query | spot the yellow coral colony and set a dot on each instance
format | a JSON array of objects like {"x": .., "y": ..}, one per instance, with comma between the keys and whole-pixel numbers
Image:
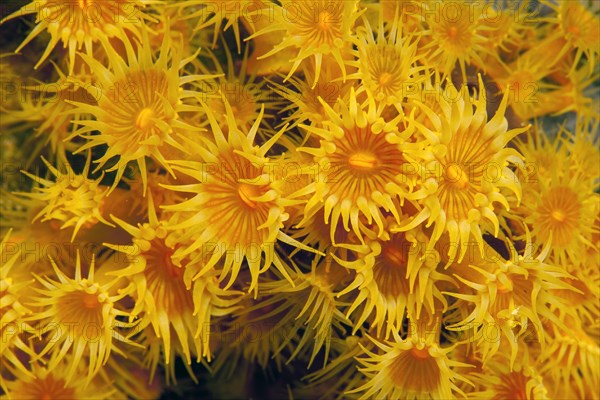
[{"x": 328, "y": 199}]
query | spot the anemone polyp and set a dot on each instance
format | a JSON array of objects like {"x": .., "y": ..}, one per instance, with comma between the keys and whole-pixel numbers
[
  {"x": 73, "y": 201},
  {"x": 316, "y": 28},
  {"x": 90, "y": 306},
  {"x": 139, "y": 116},
  {"x": 83, "y": 23},
  {"x": 412, "y": 368},
  {"x": 361, "y": 160},
  {"x": 469, "y": 165},
  {"x": 238, "y": 192},
  {"x": 387, "y": 63}
]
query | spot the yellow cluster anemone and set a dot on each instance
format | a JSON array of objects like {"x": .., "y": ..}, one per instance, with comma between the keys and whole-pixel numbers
[
  {"x": 13, "y": 311},
  {"x": 46, "y": 106},
  {"x": 157, "y": 180},
  {"x": 334, "y": 379},
  {"x": 215, "y": 13},
  {"x": 169, "y": 20},
  {"x": 139, "y": 105},
  {"x": 524, "y": 80},
  {"x": 164, "y": 294},
  {"x": 580, "y": 27},
  {"x": 317, "y": 28},
  {"x": 159, "y": 285},
  {"x": 506, "y": 26},
  {"x": 72, "y": 201},
  {"x": 583, "y": 146},
  {"x": 508, "y": 296},
  {"x": 233, "y": 187},
  {"x": 126, "y": 373},
  {"x": 388, "y": 66},
  {"x": 82, "y": 316},
  {"x": 575, "y": 362},
  {"x": 255, "y": 334},
  {"x": 501, "y": 380},
  {"x": 455, "y": 35},
  {"x": 82, "y": 24},
  {"x": 467, "y": 164},
  {"x": 561, "y": 192},
  {"x": 245, "y": 95},
  {"x": 563, "y": 216},
  {"x": 316, "y": 307},
  {"x": 303, "y": 97},
  {"x": 394, "y": 279},
  {"x": 53, "y": 383},
  {"x": 415, "y": 367},
  {"x": 360, "y": 165}
]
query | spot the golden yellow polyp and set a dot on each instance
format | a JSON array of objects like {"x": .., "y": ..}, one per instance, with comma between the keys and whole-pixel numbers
[
  {"x": 385, "y": 78},
  {"x": 559, "y": 215},
  {"x": 90, "y": 300},
  {"x": 420, "y": 353},
  {"x": 245, "y": 192}
]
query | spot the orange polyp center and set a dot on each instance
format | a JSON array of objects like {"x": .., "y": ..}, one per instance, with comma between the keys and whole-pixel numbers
[
  {"x": 363, "y": 161},
  {"x": 558, "y": 215},
  {"x": 574, "y": 30},
  {"x": 144, "y": 119},
  {"x": 324, "y": 20},
  {"x": 456, "y": 176},
  {"x": 90, "y": 301},
  {"x": 385, "y": 78},
  {"x": 560, "y": 211},
  {"x": 421, "y": 354},
  {"x": 513, "y": 384},
  {"x": 83, "y": 4},
  {"x": 174, "y": 271},
  {"x": 395, "y": 255},
  {"x": 504, "y": 283},
  {"x": 167, "y": 258},
  {"x": 521, "y": 394},
  {"x": 55, "y": 224},
  {"x": 246, "y": 191},
  {"x": 503, "y": 289},
  {"x": 452, "y": 32}
]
